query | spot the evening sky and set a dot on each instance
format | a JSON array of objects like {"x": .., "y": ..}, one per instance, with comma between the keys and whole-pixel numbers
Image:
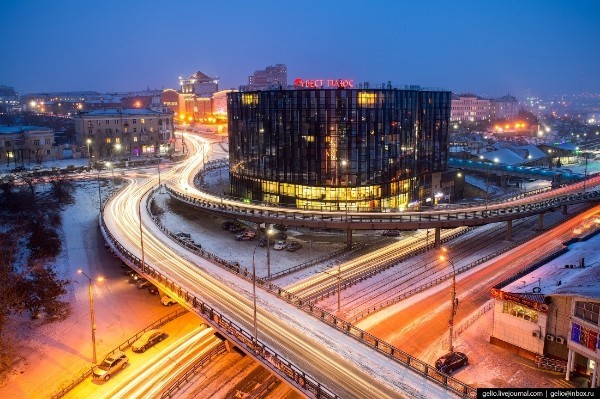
[{"x": 487, "y": 47}]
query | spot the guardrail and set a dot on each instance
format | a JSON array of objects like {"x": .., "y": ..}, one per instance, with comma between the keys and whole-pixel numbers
[
  {"x": 373, "y": 220},
  {"x": 160, "y": 322},
  {"x": 412, "y": 251},
  {"x": 198, "y": 365},
  {"x": 283, "y": 367}
]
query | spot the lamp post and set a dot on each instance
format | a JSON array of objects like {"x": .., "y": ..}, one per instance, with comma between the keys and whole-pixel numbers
[
  {"x": 112, "y": 168},
  {"x": 100, "y": 278},
  {"x": 89, "y": 141},
  {"x": 99, "y": 193},
  {"x": 254, "y": 298},
  {"x": 117, "y": 148},
  {"x": 585, "y": 172},
  {"x": 454, "y": 300},
  {"x": 268, "y": 232},
  {"x": 339, "y": 279},
  {"x": 141, "y": 235},
  {"x": 158, "y": 166}
]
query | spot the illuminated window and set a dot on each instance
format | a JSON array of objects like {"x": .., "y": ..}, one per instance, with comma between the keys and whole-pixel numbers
[
  {"x": 142, "y": 121},
  {"x": 520, "y": 311},
  {"x": 108, "y": 140},
  {"x": 135, "y": 139},
  {"x": 250, "y": 99},
  {"x": 367, "y": 100},
  {"x": 117, "y": 140}
]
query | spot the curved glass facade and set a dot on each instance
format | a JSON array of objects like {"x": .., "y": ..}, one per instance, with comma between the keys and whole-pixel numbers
[{"x": 336, "y": 149}]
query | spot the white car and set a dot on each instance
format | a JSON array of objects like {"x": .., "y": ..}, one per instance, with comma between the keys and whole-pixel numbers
[
  {"x": 280, "y": 245},
  {"x": 112, "y": 363},
  {"x": 167, "y": 301}
]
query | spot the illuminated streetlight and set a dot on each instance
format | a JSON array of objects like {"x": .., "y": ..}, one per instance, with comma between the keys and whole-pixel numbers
[
  {"x": 89, "y": 141},
  {"x": 112, "y": 168},
  {"x": 99, "y": 279},
  {"x": 268, "y": 233},
  {"x": 117, "y": 148},
  {"x": 454, "y": 299}
]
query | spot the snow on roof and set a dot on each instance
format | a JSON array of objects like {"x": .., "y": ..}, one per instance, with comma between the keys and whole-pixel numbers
[
  {"x": 564, "y": 146},
  {"x": 504, "y": 156},
  {"x": 129, "y": 111},
  {"x": 19, "y": 129},
  {"x": 532, "y": 150},
  {"x": 555, "y": 279}
]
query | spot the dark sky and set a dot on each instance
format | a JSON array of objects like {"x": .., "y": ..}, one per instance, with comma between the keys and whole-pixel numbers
[{"x": 487, "y": 47}]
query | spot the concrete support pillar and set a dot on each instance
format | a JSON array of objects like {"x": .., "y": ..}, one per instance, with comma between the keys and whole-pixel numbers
[
  {"x": 438, "y": 233},
  {"x": 228, "y": 346},
  {"x": 508, "y": 230},
  {"x": 503, "y": 181},
  {"x": 564, "y": 210},
  {"x": 349, "y": 238},
  {"x": 569, "y": 361},
  {"x": 540, "y": 225}
]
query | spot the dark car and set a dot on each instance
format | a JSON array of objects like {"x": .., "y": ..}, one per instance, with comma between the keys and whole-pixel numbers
[
  {"x": 392, "y": 233},
  {"x": 228, "y": 223},
  {"x": 280, "y": 227},
  {"x": 278, "y": 235},
  {"x": 293, "y": 246},
  {"x": 236, "y": 228},
  {"x": 451, "y": 361},
  {"x": 147, "y": 339},
  {"x": 153, "y": 290}
]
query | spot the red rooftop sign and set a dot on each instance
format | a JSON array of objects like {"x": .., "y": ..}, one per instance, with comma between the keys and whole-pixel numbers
[{"x": 323, "y": 83}]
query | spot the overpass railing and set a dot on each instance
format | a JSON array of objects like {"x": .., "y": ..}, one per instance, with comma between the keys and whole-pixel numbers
[{"x": 290, "y": 371}]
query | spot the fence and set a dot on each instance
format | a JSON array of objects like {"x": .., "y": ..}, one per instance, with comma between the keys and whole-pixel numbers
[{"x": 160, "y": 322}]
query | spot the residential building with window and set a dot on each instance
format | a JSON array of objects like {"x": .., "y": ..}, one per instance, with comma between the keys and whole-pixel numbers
[
  {"x": 26, "y": 144},
  {"x": 338, "y": 148},
  {"x": 124, "y": 133},
  {"x": 9, "y": 100},
  {"x": 505, "y": 108},
  {"x": 271, "y": 77},
  {"x": 469, "y": 108},
  {"x": 553, "y": 311}
]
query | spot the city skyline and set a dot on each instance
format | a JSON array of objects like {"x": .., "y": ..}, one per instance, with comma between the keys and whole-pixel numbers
[{"x": 532, "y": 48}]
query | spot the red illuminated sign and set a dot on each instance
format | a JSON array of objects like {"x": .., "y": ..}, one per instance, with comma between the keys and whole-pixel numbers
[{"x": 323, "y": 83}]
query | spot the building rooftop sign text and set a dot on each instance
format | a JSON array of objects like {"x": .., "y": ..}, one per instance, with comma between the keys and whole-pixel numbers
[{"x": 323, "y": 83}]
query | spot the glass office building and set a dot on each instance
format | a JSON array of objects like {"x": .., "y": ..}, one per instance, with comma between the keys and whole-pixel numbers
[{"x": 337, "y": 149}]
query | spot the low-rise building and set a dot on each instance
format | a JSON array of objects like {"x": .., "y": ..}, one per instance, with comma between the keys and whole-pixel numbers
[
  {"x": 553, "y": 310},
  {"x": 31, "y": 144},
  {"x": 124, "y": 133}
]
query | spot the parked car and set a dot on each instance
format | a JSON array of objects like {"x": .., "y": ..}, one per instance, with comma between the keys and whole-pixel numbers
[
  {"x": 278, "y": 235},
  {"x": 280, "y": 227},
  {"x": 236, "y": 228},
  {"x": 134, "y": 276},
  {"x": 127, "y": 271},
  {"x": 167, "y": 300},
  {"x": 293, "y": 246},
  {"x": 451, "y": 361},
  {"x": 111, "y": 364},
  {"x": 228, "y": 223},
  {"x": 246, "y": 235},
  {"x": 392, "y": 233},
  {"x": 147, "y": 339},
  {"x": 279, "y": 245},
  {"x": 184, "y": 236},
  {"x": 143, "y": 283},
  {"x": 152, "y": 289}
]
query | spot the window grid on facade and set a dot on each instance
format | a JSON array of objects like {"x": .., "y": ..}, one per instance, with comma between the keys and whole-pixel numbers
[
  {"x": 520, "y": 311},
  {"x": 587, "y": 311},
  {"x": 324, "y": 147}
]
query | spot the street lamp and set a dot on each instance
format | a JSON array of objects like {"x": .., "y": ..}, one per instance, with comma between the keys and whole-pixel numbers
[
  {"x": 158, "y": 166},
  {"x": 117, "y": 147},
  {"x": 339, "y": 278},
  {"x": 254, "y": 297},
  {"x": 99, "y": 193},
  {"x": 112, "y": 168},
  {"x": 268, "y": 233},
  {"x": 454, "y": 299},
  {"x": 89, "y": 141},
  {"x": 99, "y": 279}
]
